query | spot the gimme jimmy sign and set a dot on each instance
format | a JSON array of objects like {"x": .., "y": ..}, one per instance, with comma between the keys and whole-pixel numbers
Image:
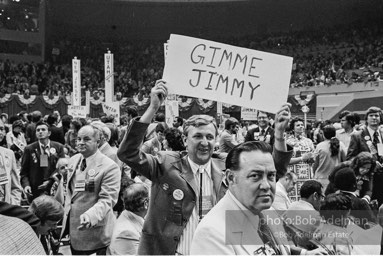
[{"x": 234, "y": 75}]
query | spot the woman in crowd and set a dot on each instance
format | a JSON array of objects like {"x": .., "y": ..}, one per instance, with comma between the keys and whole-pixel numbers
[
  {"x": 71, "y": 136},
  {"x": 16, "y": 140},
  {"x": 303, "y": 155},
  {"x": 329, "y": 153},
  {"x": 364, "y": 165}
]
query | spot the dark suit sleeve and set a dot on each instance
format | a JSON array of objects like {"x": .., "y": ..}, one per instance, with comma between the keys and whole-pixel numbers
[
  {"x": 282, "y": 160},
  {"x": 60, "y": 150},
  {"x": 21, "y": 213},
  {"x": 354, "y": 147},
  {"x": 248, "y": 136},
  {"x": 129, "y": 151},
  {"x": 25, "y": 166}
]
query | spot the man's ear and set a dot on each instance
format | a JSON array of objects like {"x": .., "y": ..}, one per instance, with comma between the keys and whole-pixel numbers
[
  {"x": 184, "y": 139},
  {"x": 230, "y": 176}
]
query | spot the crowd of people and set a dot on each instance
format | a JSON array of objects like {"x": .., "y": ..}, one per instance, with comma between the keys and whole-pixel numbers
[
  {"x": 321, "y": 57},
  {"x": 192, "y": 187}
]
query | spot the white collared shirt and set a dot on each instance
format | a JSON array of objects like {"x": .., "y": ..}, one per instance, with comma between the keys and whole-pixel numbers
[
  {"x": 43, "y": 146},
  {"x": 186, "y": 238},
  {"x": 281, "y": 200}
]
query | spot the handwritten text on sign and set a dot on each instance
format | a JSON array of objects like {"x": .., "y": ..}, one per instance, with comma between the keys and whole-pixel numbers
[
  {"x": 234, "y": 75},
  {"x": 113, "y": 109},
  {"x": 78, "y": 111},
  {"x": 76, "y": 77}
]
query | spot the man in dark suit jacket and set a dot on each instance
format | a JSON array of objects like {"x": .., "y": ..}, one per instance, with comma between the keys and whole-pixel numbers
[
  {"x": 345, "y": 181},
  {"x": 176, "y": 206},
  {"x": 39, "y": 160},
  {"x": 369, "y": 139},
  {"x": 263, "y": 132}
]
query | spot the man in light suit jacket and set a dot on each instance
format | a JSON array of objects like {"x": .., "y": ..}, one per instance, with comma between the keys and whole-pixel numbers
[
  {"x": 178, "y": 201},
  {"x": 92, "y": 191},
  {"x": 10, "y": 187},
  {"x": 39, "y": 161},
  {"x": 284, "y": 186},
  {"x": 370, "y": 139},
  {"x": 241, "y": 223},
  {"x": 128, "y": 228}
]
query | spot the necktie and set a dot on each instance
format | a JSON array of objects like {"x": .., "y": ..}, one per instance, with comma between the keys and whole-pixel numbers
[
  {"x": 266, "y": 234},
  {"x": 45, "y": 149},
  {"x": 376, "y": 139},
  {"x": 200, "y": 194},
  {"x": 83, "y": 165},
  {"x": 262, "y": 132}
]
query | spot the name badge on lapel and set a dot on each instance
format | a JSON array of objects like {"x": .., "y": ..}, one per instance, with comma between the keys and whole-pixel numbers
[
  {"x": 43, "y": 160},
  {"x": 91, "y": 175},
  {"x": 79, "y": 185}
]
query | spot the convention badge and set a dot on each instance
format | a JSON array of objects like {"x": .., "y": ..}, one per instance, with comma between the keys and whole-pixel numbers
[
  {"x": 256, "y": 135},
  {"x": 380, "y": 149},
  {"x": 155, "y": 150},
  {"x": 207, "y": 204},
  {"x": 43, "y": 160},
  {"x": 178, "y": 194},
  {"x": 369, "y": 143},
  {"x": 52, "y": 151},
  {"x": 367, "y": 138},
  {"x": 165, "y": 186},
  {"x": 267, "y": 140},
  {"x": 262, "y": 138},
  {"x": 79, "y": 186}
]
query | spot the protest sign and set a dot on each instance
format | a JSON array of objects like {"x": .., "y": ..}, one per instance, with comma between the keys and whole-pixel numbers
[
  {"x": 77, "y": 111},
  {"x": 171, "y": 111},
  {"x": 234, "y": 75},
  {"x": 76, "y": 79},
  {"x": 87, "y": 100},
  {"x": 248, "y": 114},
  {"x": 113, "y": 109},
  {"x": 109, "y": 78}
]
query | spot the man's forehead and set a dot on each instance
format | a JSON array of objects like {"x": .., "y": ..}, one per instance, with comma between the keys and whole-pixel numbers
[
  {"x": 86, "y": 131},
  {"x": 208, "y": 128}
]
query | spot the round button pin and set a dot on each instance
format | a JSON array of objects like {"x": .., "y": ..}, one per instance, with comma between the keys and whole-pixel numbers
[
  {"x": 91, "y": 172},
  {"x": 178, "y": 194}
]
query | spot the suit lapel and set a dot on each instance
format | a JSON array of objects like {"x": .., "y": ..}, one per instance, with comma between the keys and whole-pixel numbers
[
  {"x": 217, "y": 176},
  {"x": 186, "y": 173}
]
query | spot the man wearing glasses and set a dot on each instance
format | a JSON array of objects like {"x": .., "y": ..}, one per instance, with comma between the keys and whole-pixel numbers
[
  {"x": 186, "y": 185},
  {"x": 263, "y": 132}
]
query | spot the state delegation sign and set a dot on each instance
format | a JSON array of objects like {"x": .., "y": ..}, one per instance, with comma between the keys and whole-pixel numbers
[{"x": 234, "y": 75}]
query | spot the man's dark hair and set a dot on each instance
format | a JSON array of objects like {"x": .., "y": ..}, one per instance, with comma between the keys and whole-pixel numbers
[
  {"x": 344, "y": 113},
  {"x": 160, "y": 117},
  {"x": 76, "y": 124},
  {"x": 113, "y": 140},
  {"x": 267, "y": 114},
  {"x": 230, "y": 122},
  {"x": 335, "y": 207},
  {"x": 232, "y": 159},
  {"x": 131, "y": 111},
  {"x": 41, "y": 122},
  {"x": 309, "y": 187},
  {"x": 12, "y": 119},
  {"x": 345, "y": 179},
  {"x": 36, "y": 116},
  {"x": 52, "y": 119},
  {"x": 293, "y": 121},
  {"x": 174, "y": 138},
  {"x": 134, "y": 197}
]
